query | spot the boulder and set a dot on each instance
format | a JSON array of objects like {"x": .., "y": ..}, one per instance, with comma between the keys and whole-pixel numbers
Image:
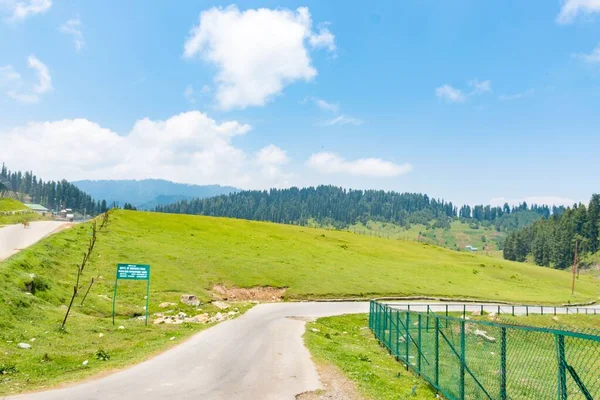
[
  {"x": 166, "y": 304},
  {"x": 476, "y": 313},
  {"x": 24, "y": 346},
  {"x": 190, "y": 300},
  {"x": 221, "y": 305},
  {"x": 181, "y": 315}
]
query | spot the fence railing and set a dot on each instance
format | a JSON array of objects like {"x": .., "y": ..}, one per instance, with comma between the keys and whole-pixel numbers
[{"x": 469, "y": 359}]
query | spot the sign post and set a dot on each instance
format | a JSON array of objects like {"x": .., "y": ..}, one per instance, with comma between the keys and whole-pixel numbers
[{"x": 135, "y": 272}]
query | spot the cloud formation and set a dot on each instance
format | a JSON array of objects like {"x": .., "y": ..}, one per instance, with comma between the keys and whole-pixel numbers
[
  {"x": 16, "y": 88},
  {"x": 449, "y": 93},
  {"x": 332, "y": 163},
  {"x": 344, "y": 120},
  {"x": 188, "y": 147},
  {"x": 591, "y": 58},
  {"x": 571, "y": 9},
  {"x": 73, "y": 28},
  {"x": 19, "y": 10},
  {"x": 257, "y": 52}
]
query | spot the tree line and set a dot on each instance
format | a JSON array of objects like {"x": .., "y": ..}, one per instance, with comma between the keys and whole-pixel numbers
[
  {"x": 552, "y": 242},
  {"x": 51, "y": 194},
  {"x": 339, "y": 207}
]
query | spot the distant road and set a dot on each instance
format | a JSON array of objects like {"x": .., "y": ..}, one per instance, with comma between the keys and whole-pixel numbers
[
  {"x": 259, "y": 355},
  {"x": 14, "y": 238}
]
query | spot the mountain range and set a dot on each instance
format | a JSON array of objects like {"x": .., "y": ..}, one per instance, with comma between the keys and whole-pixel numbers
[{"x": 148, "y": 193}]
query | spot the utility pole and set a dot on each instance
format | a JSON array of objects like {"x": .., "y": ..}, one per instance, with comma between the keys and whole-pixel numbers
[{"x": 574, "y": 269}]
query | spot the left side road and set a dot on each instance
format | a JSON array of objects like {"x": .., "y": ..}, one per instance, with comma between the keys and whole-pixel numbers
[{"x": 14, "y": 238}]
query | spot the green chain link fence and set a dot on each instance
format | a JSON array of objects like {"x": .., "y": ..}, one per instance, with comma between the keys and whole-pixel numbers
[{"x": 474, "y": 359}]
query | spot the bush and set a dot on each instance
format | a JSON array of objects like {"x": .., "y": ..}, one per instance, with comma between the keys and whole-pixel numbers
[{"x": 102, "y": 355}]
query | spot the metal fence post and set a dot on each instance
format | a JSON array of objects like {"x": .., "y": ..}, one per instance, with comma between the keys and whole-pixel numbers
[
  {"x": 397, "y": 334},
  {"x": 437, "y": 351},
  {"x": 371, "y": 314},
  {"x": 527, "y": 310},
  {"x": 462, "y": 360},
  {"x": 407, "y": 340},
  {"x": 560, "y": 358},
  {"x": 464, "y": 311},
  {"x": 513, "y": 311},
  {"x": 419, "y": 345},
  {"x": 503, "y": 365}
]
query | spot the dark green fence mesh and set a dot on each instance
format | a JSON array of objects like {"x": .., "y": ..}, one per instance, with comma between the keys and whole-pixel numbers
[{"x": 468, "y": 359}]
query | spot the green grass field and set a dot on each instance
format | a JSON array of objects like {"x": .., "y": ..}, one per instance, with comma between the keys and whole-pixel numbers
[
  {"x": 485, "y": 239},
  {"x": 14, "y": 212},
  {"x": 190, "y": 254},
  {"x": 7, "y": 204},
  {"x": 345, "y": 342}
]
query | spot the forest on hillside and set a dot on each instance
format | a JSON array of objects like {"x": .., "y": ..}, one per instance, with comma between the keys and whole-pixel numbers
[
  {"x": 51, "y": 194},
  {"x": 553, "y": 241},
  {"x": 340, "y": 208}
]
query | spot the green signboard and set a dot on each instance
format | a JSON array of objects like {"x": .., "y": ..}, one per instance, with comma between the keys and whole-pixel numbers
[{"x": 135, "y": 272}]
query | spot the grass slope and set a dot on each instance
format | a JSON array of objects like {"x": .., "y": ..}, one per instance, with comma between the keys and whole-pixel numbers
[
  {"x": 346, "y": 342},
  {"x": 7, "y": 204},
  {"x": 189, "y": 254},
  {"x": 192, "y": 253},
  {"x": 14, "y": 212},
  {"x": 485, "y": 238}
]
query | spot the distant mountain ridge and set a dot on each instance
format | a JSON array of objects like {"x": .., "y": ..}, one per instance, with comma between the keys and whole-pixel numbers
[{"x": 148, "y": 193}]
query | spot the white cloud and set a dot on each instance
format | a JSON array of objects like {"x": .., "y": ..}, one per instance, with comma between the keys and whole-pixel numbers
[
  {"x": 326, "y": 106},
  {"x": 332, "y": 163},
  {"x": 19, "y": 10},
  {"x": 592, "y": 58},
  {"x": 271, "y": 155},
  {"x": 480, "y": 87},
  {"x": 517, "y": 96},
  {"x": 450, "y": 94},
  {"x": 17, "y": 89},
  {"x": 188, "y": 147},
  {"x": 539, "y": 200},
  {"x": 270, "y": 159},
  {"x": 257, "y": 52},
  {"x": 344, "y": 120},
  {"x": 324, "y": 39},
  {"x": 73, "y": 28},
  {"x": 572, "y": 8}
]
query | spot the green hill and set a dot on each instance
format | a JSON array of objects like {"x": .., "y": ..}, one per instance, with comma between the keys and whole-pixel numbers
[
  {"x": 8, "y": 204},
  {"x": 192, "y": 254}
]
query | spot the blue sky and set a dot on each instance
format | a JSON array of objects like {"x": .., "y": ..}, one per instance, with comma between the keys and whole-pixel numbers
[{"x": 469, "y": 101}]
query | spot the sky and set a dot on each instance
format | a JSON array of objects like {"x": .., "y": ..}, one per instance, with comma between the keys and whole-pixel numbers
[{"x": 465, "y": 100}]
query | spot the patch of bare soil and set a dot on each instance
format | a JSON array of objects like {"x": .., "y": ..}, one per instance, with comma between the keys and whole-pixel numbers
[
  {"x": 257, "y": 293},
  {"x": 337, "y": 386}
]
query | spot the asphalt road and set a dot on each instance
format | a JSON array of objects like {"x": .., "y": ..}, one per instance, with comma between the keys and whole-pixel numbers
[
  {"x": 14, "y": 237},
  {"x": 259, "y": 355}
]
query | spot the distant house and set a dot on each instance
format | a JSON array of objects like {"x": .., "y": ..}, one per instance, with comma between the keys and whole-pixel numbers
[
  {"x": 471, "y": 248},
  {"x": 40, "y": 209}
]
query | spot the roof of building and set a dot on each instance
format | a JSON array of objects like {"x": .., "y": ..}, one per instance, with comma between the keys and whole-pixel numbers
[{"x": 37, "y": 207}]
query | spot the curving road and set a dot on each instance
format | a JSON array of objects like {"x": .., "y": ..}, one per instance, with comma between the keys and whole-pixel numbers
[
  {"x": 259, "y": 355},
  {"x": 14, "y": 238}
]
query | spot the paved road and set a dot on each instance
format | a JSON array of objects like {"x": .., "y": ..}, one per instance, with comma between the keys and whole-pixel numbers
[
  {"x": 14, "y": 237},
  {"x": 259, "y": 355}
]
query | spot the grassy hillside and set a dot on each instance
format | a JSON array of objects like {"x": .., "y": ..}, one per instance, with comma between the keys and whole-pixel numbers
[
  {"x": 7, "y": 204},
  {"x": 14, "y": 212},
  {"x": 190, "y": 254},
  {"x": 193, "y": 253},
  {"x": 486, "y": 239}
]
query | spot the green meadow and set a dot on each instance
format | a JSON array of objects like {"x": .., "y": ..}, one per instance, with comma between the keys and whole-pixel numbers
[{"x": 191, "y": 254}]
